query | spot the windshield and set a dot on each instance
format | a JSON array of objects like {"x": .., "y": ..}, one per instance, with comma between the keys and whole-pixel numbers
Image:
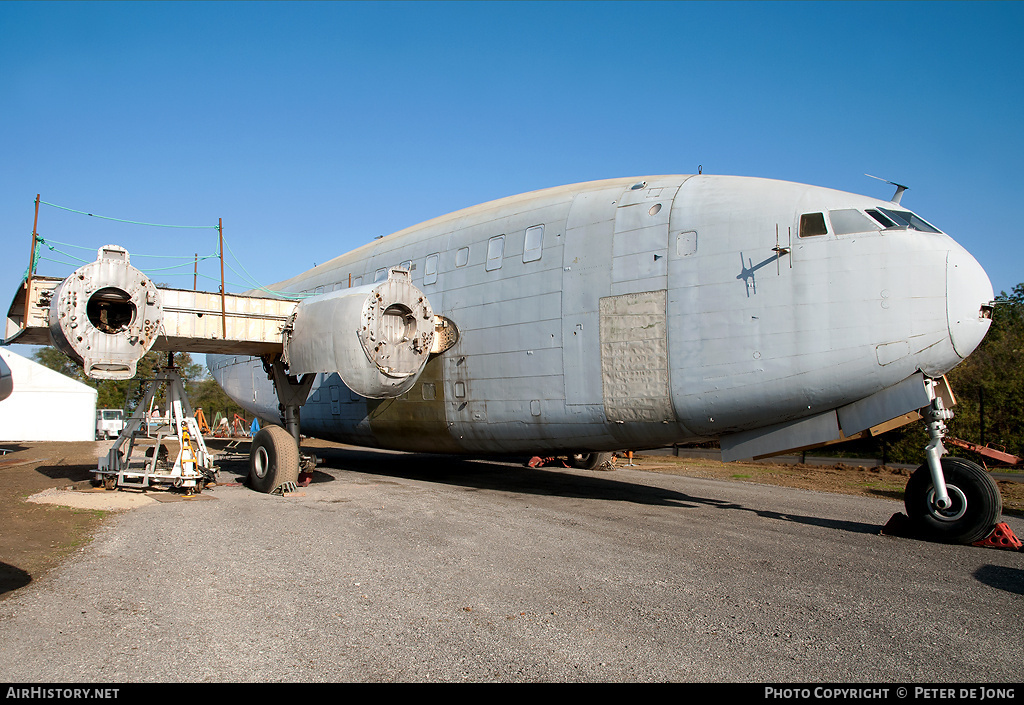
[
  {"x": 906, "y": 219},
  {"x": 851, "y": 220}
]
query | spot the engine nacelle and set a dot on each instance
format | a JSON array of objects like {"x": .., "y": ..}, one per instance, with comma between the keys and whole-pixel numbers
[
  {"x": 376, "y": 337},
  {"x": 106, "y": 315}
]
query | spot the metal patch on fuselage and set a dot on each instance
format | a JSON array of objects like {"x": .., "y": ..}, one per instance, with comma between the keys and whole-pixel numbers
[{"x": 634, "y": 358}]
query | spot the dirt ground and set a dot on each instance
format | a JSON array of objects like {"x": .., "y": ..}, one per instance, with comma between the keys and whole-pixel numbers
[{"x": 36, "y": 535}]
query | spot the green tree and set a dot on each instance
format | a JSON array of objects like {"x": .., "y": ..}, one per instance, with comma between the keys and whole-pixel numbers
[
  {"x": 989, "y": 384},
  {"x": 204, "y": 393},
  {"x": 121, "y": 394},
  {"x": 202, "y": 390},
  {"x": 59, "y": 362}
]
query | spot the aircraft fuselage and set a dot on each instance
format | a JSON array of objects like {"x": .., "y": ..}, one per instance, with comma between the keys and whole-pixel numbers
[{"x": 642, "y": 312}]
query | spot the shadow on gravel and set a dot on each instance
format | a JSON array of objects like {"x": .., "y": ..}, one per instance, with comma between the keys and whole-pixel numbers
[
  {"x": 507, "y": 475},
  {"x": 1002, "y": 578}
]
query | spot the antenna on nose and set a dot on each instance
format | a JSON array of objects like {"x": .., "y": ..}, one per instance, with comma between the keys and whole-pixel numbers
[{"x": 900, "y": 188}]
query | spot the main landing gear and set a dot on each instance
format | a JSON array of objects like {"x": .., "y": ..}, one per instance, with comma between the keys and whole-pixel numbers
[
  {"x": 275, "y": 460},
  {"x": 951, "y": 500},
  {"x": 590, "y": 461}
]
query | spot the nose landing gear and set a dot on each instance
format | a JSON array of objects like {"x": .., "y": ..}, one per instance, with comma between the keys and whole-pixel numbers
[{"x": 951, "y": 500}]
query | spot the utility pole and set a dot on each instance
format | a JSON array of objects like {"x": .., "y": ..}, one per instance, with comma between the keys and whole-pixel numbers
[
  {"x": 31, "y": 265},
  {"x": 223, "y": 309}
]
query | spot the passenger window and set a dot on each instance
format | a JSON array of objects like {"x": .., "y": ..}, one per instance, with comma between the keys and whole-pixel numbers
[
  {"x": 430, "y": 270},
  {"x": 380, "y": 275},
  {"x": 358, "y": 281},
  {"x": 532, "y": 249},
  {"x": 812, "y": 224},
  {"x": 850, "y": 220},
  {"x": 406, "y": 265},
  {"x": 462, "y": 257},
  {"x": 495, "y": 251}
]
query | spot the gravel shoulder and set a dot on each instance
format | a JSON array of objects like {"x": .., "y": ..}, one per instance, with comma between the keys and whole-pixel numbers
[{"x": 49, "y": 508}]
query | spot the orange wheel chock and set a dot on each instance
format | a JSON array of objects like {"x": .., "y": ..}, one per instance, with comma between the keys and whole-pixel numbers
[{"x": 1002, "y": 536}]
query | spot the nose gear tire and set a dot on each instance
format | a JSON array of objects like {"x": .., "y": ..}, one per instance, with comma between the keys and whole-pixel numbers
[{"x": 976, "y": 503}]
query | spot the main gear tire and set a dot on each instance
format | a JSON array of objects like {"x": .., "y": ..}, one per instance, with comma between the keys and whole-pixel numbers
[
  {"x": 590, "y": 461},
  {"x": 273, "y": 460}
]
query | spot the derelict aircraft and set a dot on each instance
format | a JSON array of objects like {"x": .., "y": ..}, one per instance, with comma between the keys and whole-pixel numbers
[{"x": 584, "y": 319}]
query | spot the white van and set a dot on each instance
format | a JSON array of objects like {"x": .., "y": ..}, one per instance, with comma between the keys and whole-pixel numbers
[{"x": 109, "y": 423}]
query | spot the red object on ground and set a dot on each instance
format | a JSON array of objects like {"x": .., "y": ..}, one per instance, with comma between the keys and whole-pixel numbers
[
  {"x": 1002, "y": 536},
  {"x": 986, "y": 451},
  {"x": 538, "y": 462}
]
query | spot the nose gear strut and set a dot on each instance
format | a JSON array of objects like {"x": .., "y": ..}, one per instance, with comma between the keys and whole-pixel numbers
[
  {"x": 949, "y": 499},
  {"x": 935, "y": 418}
]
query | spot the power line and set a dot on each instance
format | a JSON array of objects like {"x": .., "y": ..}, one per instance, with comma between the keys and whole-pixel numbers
[{"x": 122, "y": 220}]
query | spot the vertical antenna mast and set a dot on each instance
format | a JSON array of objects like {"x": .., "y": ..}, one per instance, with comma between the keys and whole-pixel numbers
[{"x": 900, "y": 188}]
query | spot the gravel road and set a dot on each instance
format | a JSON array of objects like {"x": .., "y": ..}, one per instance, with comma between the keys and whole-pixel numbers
[{"x": 406, "y": 568}]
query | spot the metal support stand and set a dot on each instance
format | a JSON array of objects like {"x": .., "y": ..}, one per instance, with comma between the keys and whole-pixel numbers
[{"x": 192, "y": 466}]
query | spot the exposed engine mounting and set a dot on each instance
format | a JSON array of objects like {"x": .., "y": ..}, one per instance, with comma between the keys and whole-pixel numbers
[
  {"x": 376, "y": 337},
  {"x": 106, "y": 315}
]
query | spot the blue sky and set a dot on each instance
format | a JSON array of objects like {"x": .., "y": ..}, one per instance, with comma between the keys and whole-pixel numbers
[{"x": 312, "y": 128}]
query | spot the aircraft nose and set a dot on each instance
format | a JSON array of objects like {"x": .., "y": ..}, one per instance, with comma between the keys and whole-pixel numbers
[{"x": 968, "y": 301}]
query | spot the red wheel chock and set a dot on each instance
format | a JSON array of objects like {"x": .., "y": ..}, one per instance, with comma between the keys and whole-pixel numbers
[
  {"x": 1002, "y": 536},
  {"x": 552, "y": 462}
]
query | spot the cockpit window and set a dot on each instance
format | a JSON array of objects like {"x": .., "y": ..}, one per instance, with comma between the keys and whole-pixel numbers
[
  {"x": 812, "y": 224},
  {"x": 886, "y": 223},
  {"x": 906, "y": 219},
  {"x": 851, "y": 220}
]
